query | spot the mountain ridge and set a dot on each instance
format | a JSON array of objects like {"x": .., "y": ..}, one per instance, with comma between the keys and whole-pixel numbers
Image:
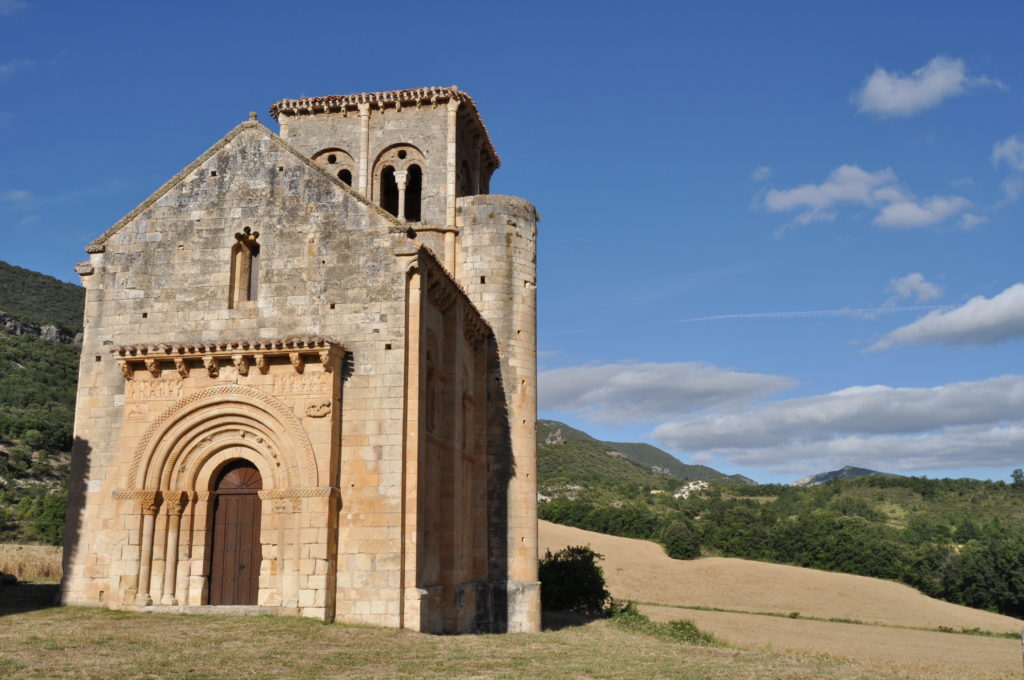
[
  {"x": 845, "y": 472},
  {"x": 572, "y": 455}
]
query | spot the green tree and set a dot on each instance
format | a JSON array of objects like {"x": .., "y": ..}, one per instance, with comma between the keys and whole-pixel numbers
[{"x": 571, "y": 579}]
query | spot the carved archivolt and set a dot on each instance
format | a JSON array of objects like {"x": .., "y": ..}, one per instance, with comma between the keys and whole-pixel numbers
[
  {"x": 174, "y": 429},
  {"x": 205, "y": 437}
]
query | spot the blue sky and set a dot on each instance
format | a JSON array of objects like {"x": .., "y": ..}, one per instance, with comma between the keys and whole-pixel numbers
[{"x": 777, "y": 238}]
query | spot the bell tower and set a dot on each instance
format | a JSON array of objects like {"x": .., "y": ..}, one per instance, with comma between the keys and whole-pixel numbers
[
  {"x": 414, "y": 152},
  {"x": 425, "y": 157}
]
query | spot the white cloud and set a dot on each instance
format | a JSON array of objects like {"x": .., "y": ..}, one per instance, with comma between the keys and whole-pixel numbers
[
  {"x": 978, "y": 423},
  {"x": 649, "y": 392},
  {"x": 855, "y": 312},
  {"x": 888, "y": 93},
  {"x": 9, "y": 67},
  {"x": 761, "y": 174},
  {"x": 914, "y": 285},
  {"x": 847, "y": 183},
  {"x": 1009, "y": 151},
  {"x": 8, "y": 6},
  {"x": 908, "y": 213},
  {"x": 15, "y": 196},
  {"x": 851, "y": 184},
  {"x": 980, "y": 321},
  {"x": 1013, "y": 189},
  {"x": 970, "y": 221}
]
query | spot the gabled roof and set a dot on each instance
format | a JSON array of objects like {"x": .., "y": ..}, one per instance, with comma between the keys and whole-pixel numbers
[
  {"x": 396, "y": 98},
  {"x": 99, "y": 244}
]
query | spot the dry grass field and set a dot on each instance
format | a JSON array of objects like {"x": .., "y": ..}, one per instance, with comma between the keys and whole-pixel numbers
[
  {"x": 30, "y": 562},
  {"x": 75, "y": 642},
  {"x": 640, "y": 571},
  {"x": 38, "y": 640}
]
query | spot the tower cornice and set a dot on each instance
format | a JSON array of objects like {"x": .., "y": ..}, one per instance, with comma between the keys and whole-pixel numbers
[{"x": 395, "y": 99}]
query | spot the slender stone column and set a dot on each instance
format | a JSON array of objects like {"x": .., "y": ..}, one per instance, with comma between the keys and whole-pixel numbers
[
  {"x": 400, "y": 178},
  {"x": 175, "y": 506},
  {"x": 364, "y": 149},
  {"x": 149, "y": 507},
  {"x": 449, "y": 236},
  {"x": 282, "y": 511},
  {"x": 296, "y": 548}
]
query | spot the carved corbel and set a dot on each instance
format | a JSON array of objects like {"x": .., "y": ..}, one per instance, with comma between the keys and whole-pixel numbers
[
  {"x": 241, "y": 363},
  {"x": 325, "y": 359},
  {"x": 262, "y": 363},
  {"x": 318, "y": 409},
  {"x": 297, "y": 362},
  {"x": 212, "y": 368},
  {"x": 179, "y": 365},
  {"x": 126, "y": 370},
  {"x": 153, "y": 366}
]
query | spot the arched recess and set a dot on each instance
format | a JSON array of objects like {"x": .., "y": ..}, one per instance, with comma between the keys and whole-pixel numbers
[
  {"x": 398, "y": 175},
  {"x": 186, "y": 445},
  {"x": 338, "y": 162}
]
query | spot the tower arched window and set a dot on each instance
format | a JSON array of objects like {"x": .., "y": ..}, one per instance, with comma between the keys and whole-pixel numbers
[
  {"x": 245, "y": 268},
  {"x": 398, "y": 182},
  {"x": 389, "y": 190},
  {"x": 413, "y": 193},
  {"x": 337, "y": 162}
]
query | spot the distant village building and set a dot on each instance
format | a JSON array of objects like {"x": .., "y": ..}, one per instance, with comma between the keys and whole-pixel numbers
[{"x": 308, "y": 379}]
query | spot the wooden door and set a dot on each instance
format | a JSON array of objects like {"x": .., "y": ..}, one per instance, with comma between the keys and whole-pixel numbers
[{"x": 236, "y": 551}]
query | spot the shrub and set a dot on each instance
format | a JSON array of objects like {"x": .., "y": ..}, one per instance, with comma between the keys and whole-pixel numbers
[
  {"x": 630, "y": 618},
  {"x": 571, "y": 579},
  {"x": 681, "y": 541}
]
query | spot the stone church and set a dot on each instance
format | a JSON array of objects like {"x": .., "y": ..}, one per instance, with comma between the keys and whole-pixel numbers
[{"x": 308, "y": 379}]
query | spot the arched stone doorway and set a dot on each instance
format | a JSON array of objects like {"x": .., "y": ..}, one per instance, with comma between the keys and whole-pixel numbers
[{"x": 235, "y": 548}]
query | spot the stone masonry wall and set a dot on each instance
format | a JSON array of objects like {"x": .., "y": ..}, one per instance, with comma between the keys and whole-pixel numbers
[
  {"x": 423, "y": 128},
  {"x": 498, "y": 270},
  {"x": 326, "y": 268}
]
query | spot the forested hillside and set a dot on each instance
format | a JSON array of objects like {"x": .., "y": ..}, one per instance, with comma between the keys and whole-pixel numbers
[
  {"x": 38, "y": 374},
  {"x": 42, "y": 299},
  {"x": 568, "y": 458}
]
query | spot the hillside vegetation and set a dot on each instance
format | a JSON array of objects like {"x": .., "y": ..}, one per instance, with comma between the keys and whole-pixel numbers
[
  {"x": 568, "y": 458},
  {"x": 38, "y": 375},
  {"x": 42, "y": 299}
]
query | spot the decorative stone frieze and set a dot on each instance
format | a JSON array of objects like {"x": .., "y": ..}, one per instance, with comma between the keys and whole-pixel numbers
[{"x": 239, "y": 353}]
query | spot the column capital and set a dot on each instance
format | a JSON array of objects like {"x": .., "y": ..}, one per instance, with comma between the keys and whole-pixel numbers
[{"x": 175, "y": 502}]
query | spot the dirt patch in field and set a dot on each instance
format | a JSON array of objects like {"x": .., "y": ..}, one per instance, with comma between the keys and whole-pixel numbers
[{"x": 641, "y": 571}]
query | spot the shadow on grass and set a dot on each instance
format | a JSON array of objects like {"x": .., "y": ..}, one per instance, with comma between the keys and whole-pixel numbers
[
  {"x": 557, "y": 620},
  {"x": 27, "y": 596}
]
